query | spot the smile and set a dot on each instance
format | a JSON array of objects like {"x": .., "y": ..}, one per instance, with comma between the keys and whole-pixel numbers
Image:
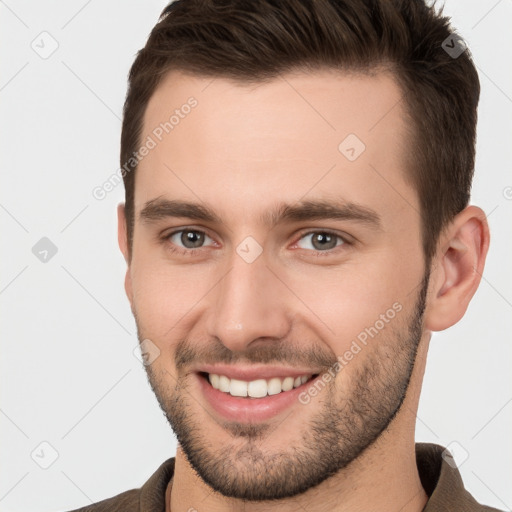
[{"x": 258, "y": 388}]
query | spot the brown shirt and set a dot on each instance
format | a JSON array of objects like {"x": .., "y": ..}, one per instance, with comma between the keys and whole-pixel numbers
[{"x": 442, "y": 483}]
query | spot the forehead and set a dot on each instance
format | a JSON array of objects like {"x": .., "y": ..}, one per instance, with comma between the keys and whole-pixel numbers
[{"x": 319, "y": 134}]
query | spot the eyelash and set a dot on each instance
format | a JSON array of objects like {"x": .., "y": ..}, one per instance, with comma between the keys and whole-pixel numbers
[{"x": 193, "y": 252}]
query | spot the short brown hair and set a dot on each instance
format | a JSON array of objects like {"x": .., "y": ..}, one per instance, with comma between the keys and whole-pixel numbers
[{"x": 256, "y": 40}]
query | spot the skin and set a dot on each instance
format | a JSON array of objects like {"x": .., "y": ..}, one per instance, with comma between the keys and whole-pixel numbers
[{"x": 242, "y": 151}]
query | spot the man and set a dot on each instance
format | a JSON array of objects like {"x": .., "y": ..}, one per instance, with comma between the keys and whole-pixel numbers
[{"x": 296, "y": 226}]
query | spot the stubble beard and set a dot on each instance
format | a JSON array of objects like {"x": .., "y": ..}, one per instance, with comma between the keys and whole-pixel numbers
[{"x": 345, "y": 426}]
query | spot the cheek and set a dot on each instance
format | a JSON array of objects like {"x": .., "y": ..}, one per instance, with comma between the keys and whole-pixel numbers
[
  {"x": 354, "y": 300},
  {"x": 165, "y": 297}
]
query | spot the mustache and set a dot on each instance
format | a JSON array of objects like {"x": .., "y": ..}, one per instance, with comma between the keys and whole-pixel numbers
[{"x": 288, "y": 354}]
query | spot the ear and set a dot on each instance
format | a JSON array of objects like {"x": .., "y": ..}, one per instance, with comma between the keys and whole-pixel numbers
[
  {"x": 122, "y": 239},
  {"x": 457, "y": 268}
]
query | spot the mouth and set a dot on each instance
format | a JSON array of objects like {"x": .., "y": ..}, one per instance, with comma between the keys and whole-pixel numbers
[
  {"x": 256, "y": 395},
  {"x": 255, "y": 389}
]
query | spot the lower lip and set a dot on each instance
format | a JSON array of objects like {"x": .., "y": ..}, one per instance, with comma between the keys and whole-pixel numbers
[{"x": 250, "y": 410}]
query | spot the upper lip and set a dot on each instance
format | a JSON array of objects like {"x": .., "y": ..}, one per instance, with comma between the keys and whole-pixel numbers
[{"x": 249, "y": 373}]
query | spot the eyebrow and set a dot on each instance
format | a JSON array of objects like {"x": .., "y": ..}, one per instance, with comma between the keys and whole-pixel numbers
[{"x": 161, "y": 208}]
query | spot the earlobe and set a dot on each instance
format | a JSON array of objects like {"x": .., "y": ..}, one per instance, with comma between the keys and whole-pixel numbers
[
  {"x": 458, "y": 270},
  {"x": 122, "y": 239}
]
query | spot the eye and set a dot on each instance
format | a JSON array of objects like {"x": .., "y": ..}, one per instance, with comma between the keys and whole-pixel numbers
[
  {"x": 188, "y": 238},
  {"x": 320, "y": 241}
]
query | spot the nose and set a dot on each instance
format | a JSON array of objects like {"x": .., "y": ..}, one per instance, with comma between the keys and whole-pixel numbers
[{"x": 249, "y": 305}]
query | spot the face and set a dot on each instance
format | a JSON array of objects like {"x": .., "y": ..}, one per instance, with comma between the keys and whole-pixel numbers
[{"x": 277, "y": 253}]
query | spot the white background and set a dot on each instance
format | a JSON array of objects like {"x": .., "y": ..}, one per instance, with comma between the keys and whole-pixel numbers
[{"x": 68, "y": 373}]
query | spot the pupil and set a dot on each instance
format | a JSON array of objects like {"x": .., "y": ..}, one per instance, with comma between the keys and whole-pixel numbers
[{"x": 192, "y": 239}]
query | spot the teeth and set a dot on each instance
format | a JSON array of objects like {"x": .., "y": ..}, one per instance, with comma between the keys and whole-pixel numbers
[
  {"x": 274, "y": 386},
  {"x": 256, "y": 388},
  {"x": 238, "y": 387},
  {"x": 214, "y": 380},
  {"x": 223, "y": 383},
  {"x": 287, "y": 384}
]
